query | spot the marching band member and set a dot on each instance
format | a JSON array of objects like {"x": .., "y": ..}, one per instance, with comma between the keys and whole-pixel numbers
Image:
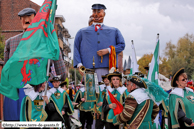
[
  {"x": 140, "y": 110},
  {"x": 63, "y": 85},
  {"x": 99, "y": 123},
  {"x": 86, "y": 108},
  {"x": 94, "y": 41},
  {"x": 64, "y": 103},
  {"x": 181, "y": 102},
  {"x": 70, "y": 91},
  {"x": 117, "y": 90},
  {"x": 32, "y": 106}
]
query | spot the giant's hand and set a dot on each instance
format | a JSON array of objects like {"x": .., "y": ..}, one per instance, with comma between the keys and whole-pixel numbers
[
  {"x": 102, "y": 52},
  {"x": 82, "y": 73}
]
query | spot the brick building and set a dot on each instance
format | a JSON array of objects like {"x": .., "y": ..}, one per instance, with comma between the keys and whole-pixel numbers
[{"x": 9, "y": 21}]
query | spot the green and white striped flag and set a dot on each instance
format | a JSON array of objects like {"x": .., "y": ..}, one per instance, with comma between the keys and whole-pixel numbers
[
  {"x": 134, "y": 65},
  {"x": 154, "y": 66}
]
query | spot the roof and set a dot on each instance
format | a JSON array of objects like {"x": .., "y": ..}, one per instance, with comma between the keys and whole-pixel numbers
[{"x": 128, "y": 66}]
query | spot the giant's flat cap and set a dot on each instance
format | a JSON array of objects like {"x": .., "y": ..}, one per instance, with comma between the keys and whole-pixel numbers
[
  {"x": 98, "y": 6},
  {"x": 27, "y": 12}
]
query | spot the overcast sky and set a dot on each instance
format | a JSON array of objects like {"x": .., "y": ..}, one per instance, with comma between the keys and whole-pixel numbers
[{"x": 138, "y": 20}]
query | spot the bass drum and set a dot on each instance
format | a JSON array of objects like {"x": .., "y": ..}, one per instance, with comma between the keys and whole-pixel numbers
[{"x": 75, "y": 124}]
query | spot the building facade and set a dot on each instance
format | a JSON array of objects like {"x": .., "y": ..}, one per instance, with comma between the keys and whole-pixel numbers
[{"x": 63, "y": 38}]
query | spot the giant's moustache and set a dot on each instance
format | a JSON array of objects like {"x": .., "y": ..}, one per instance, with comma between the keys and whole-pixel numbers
[{"x": 96, "y": 18}]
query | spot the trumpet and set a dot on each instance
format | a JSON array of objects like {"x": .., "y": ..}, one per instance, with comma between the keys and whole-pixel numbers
[{"x": 85, "y": 70}]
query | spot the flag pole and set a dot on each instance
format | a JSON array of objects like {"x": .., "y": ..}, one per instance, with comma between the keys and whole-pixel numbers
[
  {"x": 134, "y": 65},
  {"x": 48, "y": 67},
  {"x": 134, "y": 49}
]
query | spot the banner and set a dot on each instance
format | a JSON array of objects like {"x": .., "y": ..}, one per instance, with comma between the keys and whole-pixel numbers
[{"x": 90, "y": 88}]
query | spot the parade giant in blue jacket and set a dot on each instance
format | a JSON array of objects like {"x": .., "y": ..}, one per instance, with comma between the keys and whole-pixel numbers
[{"x": 88, "y": 42}]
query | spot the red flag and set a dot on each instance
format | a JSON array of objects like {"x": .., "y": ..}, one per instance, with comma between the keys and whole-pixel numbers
[{"x": 119, "y": 107}]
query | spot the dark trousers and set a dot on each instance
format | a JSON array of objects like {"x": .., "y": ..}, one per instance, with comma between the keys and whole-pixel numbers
[
  {"x": 99, "y": 123},
  {"x": 67, "y": 121},
  {"x": 86, "y": 117},
  {"x": 111, "y": 126}
]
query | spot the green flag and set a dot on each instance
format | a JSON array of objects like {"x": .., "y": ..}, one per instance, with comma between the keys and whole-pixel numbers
[
  {"x": 28, "y": 63},
  {"x": 154, "y": 66}
]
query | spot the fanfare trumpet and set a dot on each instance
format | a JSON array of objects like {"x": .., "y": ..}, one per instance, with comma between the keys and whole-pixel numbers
[{"x": 85, "y": 70}]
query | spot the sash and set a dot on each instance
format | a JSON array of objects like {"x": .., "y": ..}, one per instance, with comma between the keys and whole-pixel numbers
[
  {"x": 140, "y": 116},
  {"x": 112, "y": 58}
]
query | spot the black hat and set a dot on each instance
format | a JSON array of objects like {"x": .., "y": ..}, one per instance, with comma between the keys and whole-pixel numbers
[
  {"x": 138, "y": 81},
  {"x": 100, "y": 83},
  {"x": 175, "y": 76},
  {"x": 98, "y": 6},
  {"x": 27, "y": 12},
  {"x": 55, "y": 79},
  {"x": 146, "y": 67},
  {"x": 139, "y": 74},
  {"x": 125, "y": 76},
  {"x": 104, "y": 76},
  {"x": 63, "y": 83},
  {"x": 110, "y": 75}
]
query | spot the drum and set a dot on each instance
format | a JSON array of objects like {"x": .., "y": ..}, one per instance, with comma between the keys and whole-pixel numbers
[{"x": 75, "y": 124}]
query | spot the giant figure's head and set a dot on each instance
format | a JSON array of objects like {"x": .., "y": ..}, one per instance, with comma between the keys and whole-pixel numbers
[
  {"x": 26, "y": 16},
  {"x": 98, "y": 12}
]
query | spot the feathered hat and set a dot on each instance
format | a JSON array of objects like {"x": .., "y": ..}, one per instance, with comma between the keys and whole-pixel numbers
[{"x": 155, "y": 92}]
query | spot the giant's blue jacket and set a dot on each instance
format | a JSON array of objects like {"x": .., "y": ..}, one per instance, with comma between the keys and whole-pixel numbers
[{"x": 88, "y": 42}]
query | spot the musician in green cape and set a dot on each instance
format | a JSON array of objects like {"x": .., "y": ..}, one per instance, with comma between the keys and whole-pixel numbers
[
  {"x": 118, "y": 91},
  {"x": 181, "y": 103},
  {"x": 102, "y": 88},
  {"x": 140, "y": 109},
  {"x": 64, "y": 103},
  {"x": 86, "y": 108},
  {"x": 32, "y": 106}
]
